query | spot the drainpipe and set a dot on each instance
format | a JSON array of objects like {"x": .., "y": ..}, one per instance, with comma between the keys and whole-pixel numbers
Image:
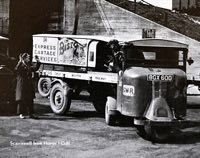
[
  {"x": 180, "y": 5},
  {"x": 76, "y": 9},
  {"x": 135, "y": 6}
]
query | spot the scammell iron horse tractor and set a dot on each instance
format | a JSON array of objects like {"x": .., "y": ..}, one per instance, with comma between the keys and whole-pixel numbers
[{"x": 150, "y": 87}]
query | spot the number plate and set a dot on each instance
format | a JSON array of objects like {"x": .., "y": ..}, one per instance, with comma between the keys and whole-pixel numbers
[{"x": 164, "y": 78}]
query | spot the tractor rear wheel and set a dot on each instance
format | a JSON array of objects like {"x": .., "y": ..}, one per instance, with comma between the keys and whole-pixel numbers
[{"x": 60, "y": 102}]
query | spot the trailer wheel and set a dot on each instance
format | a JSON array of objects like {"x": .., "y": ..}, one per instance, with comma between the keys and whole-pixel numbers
[
  {"x": 60, "y": 102},
  {"x": 44, "y": 86},
  {"x": 157, "y": 134},
  {"x": 110, "y": 119}
]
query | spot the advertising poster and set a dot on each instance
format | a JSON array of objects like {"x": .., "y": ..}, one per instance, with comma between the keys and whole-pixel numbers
[
  {"x": 72, "y": 52},
  {"x": 46, "y": 49},
  {"x": 60, "y": 51}
]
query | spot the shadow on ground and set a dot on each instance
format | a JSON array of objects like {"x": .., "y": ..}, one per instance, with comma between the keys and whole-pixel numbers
[
  {"x": 8, "y": 109},
  {"x": 45, "y": 112},
  {"x": 184, "y": 137}
]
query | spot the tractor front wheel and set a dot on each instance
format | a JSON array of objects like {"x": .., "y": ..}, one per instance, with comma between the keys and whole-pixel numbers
[{"x": 110, "y": 119}]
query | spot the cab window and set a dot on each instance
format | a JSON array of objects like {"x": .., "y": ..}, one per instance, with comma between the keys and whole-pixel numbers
[{"x": 155, "y": 57}]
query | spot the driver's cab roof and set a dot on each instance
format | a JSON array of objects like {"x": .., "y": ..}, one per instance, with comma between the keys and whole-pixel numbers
[
  {"x": 158, "y": 43},
  {"x": 148, "y": 42},
  {"x": 88, "y": 37}
]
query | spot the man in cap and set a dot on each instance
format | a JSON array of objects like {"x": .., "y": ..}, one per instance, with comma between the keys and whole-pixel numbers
[
  {"x": 115, "y": 62},
  {"x": 24, "y": 88}
]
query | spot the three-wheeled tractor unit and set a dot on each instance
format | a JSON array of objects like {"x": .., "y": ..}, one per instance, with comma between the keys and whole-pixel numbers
[{"x": 150, "y": 87}]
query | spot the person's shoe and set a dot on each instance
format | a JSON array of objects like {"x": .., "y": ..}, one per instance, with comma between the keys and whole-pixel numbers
[{"x": 21, "y": 116}]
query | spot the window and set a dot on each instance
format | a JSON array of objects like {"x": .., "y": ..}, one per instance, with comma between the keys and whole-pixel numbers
[
  {"x": 149, "y": 55},
  {"x": 154, "y": 57}
]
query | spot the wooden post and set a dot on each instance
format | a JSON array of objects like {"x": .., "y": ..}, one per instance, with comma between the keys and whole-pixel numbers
[
  {"x": 180, "y": 5},
  {"x": 135, "y": 6},
  {"x": 188, "y": 4},
  {"x": 166, "y": 19},
  {"x": 76, "y": 10}
]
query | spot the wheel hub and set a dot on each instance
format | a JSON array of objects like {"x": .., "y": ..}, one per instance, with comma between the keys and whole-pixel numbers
[
  {"x": 58, "y": 100},
  {"x": 45, "y": 87}
]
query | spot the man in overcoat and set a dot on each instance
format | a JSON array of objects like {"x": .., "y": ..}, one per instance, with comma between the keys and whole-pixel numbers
[{"x": 24, "y": 88}]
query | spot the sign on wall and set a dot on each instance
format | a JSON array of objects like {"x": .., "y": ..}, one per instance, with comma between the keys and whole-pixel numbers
[{"x": 148, "y": 33}]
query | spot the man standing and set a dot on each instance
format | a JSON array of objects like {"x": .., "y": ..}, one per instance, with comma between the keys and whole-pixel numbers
[{"x": 24, "y": 88}]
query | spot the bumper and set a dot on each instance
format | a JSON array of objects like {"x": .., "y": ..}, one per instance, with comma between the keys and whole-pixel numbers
[{"x": 174, "y": 123}]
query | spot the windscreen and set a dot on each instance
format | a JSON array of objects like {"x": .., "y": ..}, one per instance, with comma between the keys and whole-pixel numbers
[{"x": 154, "y": 57}]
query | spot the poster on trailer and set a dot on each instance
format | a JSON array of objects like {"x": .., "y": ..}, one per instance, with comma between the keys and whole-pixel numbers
[
  {"x": 61, "y": 51},
  {"x": 72, "y": 52}
]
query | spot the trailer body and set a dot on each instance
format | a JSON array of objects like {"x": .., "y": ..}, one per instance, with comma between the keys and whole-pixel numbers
[{"x": 75, "y": 62}]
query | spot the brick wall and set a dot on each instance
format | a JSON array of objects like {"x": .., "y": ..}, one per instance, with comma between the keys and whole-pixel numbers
[
  {"x": 89, "y": 19},
  {"x": 4, "y": 17},
  {"x": 198, "y": 3},
  {"x": 185, "y": 4}
]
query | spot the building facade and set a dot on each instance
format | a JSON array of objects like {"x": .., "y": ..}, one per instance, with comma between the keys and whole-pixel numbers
[
  {"x": 183, "y": 4},
  {"x": 4, "y": 17},
  {"x": 187, "y": 6}
]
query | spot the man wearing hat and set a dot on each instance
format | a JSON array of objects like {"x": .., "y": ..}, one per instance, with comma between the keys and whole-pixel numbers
[{"x": 24, "y": 88}]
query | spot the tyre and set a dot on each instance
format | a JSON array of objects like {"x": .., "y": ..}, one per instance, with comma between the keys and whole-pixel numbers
[
  {"x": 157, "y": 134},
  {"x": 142, "y": 133},
  {"x": 44, "y": 86},
  {"x": 60, "y": 102},
  {"x": 110, "y": 119},
  {"x": 140, "y": 130}
]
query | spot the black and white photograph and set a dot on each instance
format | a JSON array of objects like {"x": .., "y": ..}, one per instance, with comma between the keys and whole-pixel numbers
[{"x": 99, "y": 78}]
